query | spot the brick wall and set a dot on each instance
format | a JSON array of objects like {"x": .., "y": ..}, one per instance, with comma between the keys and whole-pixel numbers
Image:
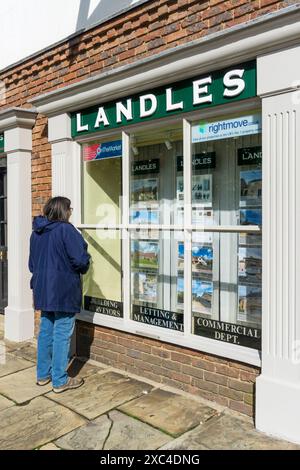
[
  {"x": 224, "y": 381},
  {"x": 146, "y": 30}
]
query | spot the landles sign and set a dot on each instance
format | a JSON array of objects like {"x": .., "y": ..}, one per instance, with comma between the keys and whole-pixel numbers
[{"x": 219, "y": 87}]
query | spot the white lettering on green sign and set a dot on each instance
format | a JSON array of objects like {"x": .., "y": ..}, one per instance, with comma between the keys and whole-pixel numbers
[{"x": 219, "y": 87}]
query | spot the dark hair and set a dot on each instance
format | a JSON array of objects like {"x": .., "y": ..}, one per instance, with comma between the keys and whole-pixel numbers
[{"x": 57, "y": 208}]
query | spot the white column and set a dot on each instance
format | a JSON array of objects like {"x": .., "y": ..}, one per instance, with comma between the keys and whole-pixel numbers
[
  {"x": 278, "y": 386},
  {"x": 19, "y": 314},
  {"x": 65, "y": 163},
  {"x": 66, "y": 179}
]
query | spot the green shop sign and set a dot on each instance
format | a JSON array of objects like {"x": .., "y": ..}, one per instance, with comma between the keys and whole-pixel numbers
[
  {"x": 1, "y": 143},
  {"x": 219, "y": 87}
]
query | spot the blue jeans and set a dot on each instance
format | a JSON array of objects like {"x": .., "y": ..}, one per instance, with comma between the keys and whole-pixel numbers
[{"x": 53, "y": 350}]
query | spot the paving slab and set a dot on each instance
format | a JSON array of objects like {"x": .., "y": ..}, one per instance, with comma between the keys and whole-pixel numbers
[
  {"x": 27, "y": 352},
  {"x": 49, "y": 446},
  {"x": 32, "y": 425},
  {"x": 100, "y": 393},
  {"x": 21, "y": 386},
  {"x": 5, "y": 403},
  {"x": 228, "y": 432},
  {"x": 13, "y": 346},
  {"x": 169, "y": 412},
  {"x": 10, "y": 364},
  {"x": 83, "y": 369},
  {"x": 113, "y": 431}
]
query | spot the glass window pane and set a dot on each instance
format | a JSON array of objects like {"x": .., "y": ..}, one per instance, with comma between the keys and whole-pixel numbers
[
  {"x": 205, "y": 274},
  {"x": 156, "y": 198},
  {"x": 156, "y": 195},
  {"x": 102, "y": 181},
  {"x": 102, "y": 289},
  {"x": 157, "y": 278},
  {"x": 228, "y": 192}
]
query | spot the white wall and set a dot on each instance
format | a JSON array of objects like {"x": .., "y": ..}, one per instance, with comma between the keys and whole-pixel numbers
[{"x": 27, "y": 26}]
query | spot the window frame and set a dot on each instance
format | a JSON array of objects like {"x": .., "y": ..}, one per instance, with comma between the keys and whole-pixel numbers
[{"x": 186, "y": 338}]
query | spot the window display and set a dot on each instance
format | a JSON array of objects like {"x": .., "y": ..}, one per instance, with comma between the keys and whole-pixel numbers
[
  {"x": 232, "y": 296},
  {"x": 201, "y": 278}
]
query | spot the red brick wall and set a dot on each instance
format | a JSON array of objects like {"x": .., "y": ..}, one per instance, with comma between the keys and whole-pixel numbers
[
  {"x": 144, "y": 31},
  {"x": 224, "y": 381}
]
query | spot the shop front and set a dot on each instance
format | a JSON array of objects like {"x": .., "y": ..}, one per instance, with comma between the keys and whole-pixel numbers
[
  {"x": 182, "y": 173},
  {"x": 171, "y": 209}
]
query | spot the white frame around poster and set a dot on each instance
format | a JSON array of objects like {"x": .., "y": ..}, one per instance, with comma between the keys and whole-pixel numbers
[{"x": 186, "y": 338}]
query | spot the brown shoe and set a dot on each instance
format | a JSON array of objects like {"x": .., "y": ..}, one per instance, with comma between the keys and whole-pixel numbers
[
  {"x": 71, "y": 383},
  {"x": 43, "y": 382}
]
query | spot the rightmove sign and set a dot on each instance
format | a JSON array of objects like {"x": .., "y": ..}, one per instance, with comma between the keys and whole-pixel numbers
[{"x": 224, "y": 129}]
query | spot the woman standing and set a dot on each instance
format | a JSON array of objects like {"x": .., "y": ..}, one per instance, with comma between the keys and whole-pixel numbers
[{"x": 58, "y": 256}]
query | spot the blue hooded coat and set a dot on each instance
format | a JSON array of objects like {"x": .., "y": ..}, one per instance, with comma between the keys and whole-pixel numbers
[{"x": 58, "y": 255}]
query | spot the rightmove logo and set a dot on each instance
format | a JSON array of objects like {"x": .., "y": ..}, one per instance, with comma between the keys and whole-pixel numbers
[{"x": 224, "y": 129}]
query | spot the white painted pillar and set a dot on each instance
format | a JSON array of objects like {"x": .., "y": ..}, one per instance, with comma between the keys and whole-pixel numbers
[
  {"x": 19, "y": 314},
  {"x": 66, "y": 179},
  {"x": 278, "y": 386},
  {"x": 65, "y": 162}
]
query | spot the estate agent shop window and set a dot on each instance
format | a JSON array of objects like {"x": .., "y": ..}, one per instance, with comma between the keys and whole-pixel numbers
[{"x": 172, "y": 211}]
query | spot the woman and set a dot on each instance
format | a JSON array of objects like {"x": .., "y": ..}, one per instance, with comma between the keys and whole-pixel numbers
[{"x": 58, "y": 256}]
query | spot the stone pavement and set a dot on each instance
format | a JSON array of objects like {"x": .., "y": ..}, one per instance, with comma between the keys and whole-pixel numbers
[{"x": 113, "y": 410}]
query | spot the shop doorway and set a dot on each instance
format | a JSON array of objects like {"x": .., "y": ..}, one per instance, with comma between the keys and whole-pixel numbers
[{"x": 3, "y": 239}]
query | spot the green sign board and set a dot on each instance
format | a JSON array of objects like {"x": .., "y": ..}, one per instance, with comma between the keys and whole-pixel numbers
[
  {"x": 220, "y": 87},
  {"x": 1, "y": 143}
]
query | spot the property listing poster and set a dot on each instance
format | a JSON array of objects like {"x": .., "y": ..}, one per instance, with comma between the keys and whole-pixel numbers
[
  {"x": 144, "y": 217},
  {"x": 201, "y": 190},
  {"x": 202, "y": 258},
  {"x": 250, "y": 264},
  {"x": 202, "y": 292},
  {"x": 202, "y": 285},
  {"x": 144, "y": 287},
  {"x": 145, "y": 193},
  {"x": 250, "y": 187},
  {"x": 250, "y": 303},
  {"x": 144, "y": 254},
  {"x": 144, "y": 268}
]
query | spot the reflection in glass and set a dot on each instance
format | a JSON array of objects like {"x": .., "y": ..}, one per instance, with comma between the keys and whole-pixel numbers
[{"x": 103, "y": 280}]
